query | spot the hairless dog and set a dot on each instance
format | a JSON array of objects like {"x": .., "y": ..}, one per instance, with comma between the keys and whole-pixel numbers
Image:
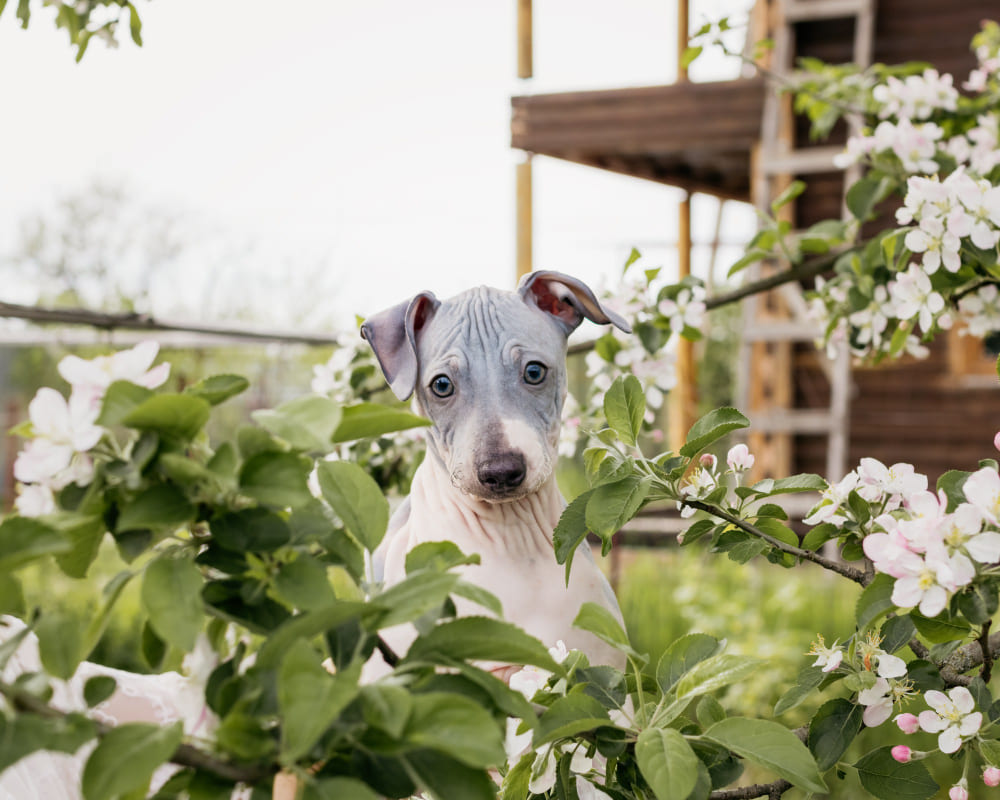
[{"x": 488, "y": 368}]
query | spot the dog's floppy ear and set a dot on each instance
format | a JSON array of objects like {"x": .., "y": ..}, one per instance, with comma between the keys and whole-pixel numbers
[
  {"x": 393, "y": 336},
  {"x": 568, "y": 300}
]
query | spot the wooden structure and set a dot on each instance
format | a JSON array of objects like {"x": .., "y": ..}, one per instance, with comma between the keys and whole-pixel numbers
[{"x": 714, "y": 138}]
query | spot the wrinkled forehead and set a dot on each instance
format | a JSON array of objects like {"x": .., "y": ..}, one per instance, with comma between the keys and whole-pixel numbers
[{"x": 489, "y": 324}]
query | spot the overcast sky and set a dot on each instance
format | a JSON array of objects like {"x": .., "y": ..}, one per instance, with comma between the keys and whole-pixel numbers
[{"x": 367, "y": 140}]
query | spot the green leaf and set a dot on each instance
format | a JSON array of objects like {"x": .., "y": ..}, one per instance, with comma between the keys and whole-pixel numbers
[
  {"x": 667, "y": 762},
  {"x": 832, "y": 730},
  {"x": 887, "y": 779},
  {"x": 250, "y": 530},
  {"x": 709, "y": 711},
  {"x": 795, "y": 188},
  {"x": 412, "y": 597},
  {"x": 437, "y": 556},
  {"x": 772, "y": 746},
  {"x": 126, "y": 757},
  {"x": 455, "y": 726},
  {"x": 804, "y": 482},
  {"x": 217, "y": 388},
  {"x": 896, "y": 632},
  {"x": 875, "y": 601},
  {"x": 940, "y": 629},
  {"x": 160, "y": 506},
  {"x": 306, "y": 423},
  {"x": 714, "y": 673},
  {"x": 386, "y": 707},
  {"x": 445, "y": 777},
  {"x": 367, "y": 420},
  {"x": 176, "y": 416},
  {"x": 568, "y": 716},
  {"x": 864, "y": 195},
  {"x": 23, "y": 734},
  {"x": 98, "y": 689},
  {"x": 171, "y": 596},
  {"x": 12, "y": 596},
  {"x": 303, "y": 583},
  {"x": 807, "y": 681},
  {"x": 602, "y": 623},
  {"x": 310, "y": 699},
  {"x": 690, "y": 54},
  {"x": 613, "y": 504},
  {"x": 23, "y": 540},
  {"x": 711, "y": 427},
  {"x": 85, "y": 535},
  {"x": 338, "y": 789},
  {"x": 571, "y": 530},
  {"x": 60, "y": 643},
  {"x": 624, "y": 408},
  {"x": 990, "y": 748},
  {"x": 305, "y": 626},
  {"x": 682, "y": 655},
  {"x": 135, "y": 25},
  {"x": 356, "y": 499},
  {"x": 481, "y": 638},
  {"x": 121, "y": 398},
  {"x": 633, "y": 256},
  {"x": 276, "y": 479}
]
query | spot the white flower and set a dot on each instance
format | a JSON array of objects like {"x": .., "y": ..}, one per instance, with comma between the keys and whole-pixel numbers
[
  {"x": 892, "y": 484},
  {"x": 543, "y": 772},
  {"x": 686, "y": 311},
  {"x": 64, "y": 432},
  {"x": 34, "y": 501},
  {"x": 931, "y": 583},
  {"x": 982, "y": 490},
  {"x": 953, "y": 717},
  {"x": 833, "y": 497},
  {"x": 878, "y": 703},
  {"x": 981, "y": 310},
  {"x": 938, "y": 245},
  {"x": 914, "y": 297},
  {"x": 829, "y": 658},
  {"x": 97, "y": 374}
]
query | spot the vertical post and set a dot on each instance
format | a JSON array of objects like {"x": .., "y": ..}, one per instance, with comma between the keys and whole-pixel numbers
[
  {"x": 524, "y": 216},
  {"x": 525, "y": 37},
  {"x": 683, "y": 398}
]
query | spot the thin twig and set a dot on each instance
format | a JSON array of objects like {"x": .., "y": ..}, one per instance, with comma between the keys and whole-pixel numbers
[
  {"x": 845, "y": 570},
  {"x": 984, "y": 646},
  {"x": 388, "y": 654}
]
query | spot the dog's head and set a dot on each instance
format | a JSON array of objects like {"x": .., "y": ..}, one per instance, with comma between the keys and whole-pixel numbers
[{"x": 488, "y": 367}]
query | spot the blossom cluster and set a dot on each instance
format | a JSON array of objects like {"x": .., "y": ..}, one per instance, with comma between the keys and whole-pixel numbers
[
  {"x": 64, "y": 432},
  {"x": 950, "y": 213},
  {"x": 706, "y": 478}
]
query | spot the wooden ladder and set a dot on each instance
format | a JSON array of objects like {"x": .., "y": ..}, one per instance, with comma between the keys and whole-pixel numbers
[{"x": 773, "y": 323}]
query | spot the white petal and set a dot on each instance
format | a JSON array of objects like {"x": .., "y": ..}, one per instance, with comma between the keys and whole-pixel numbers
[
  {"x": 962, "y": 698},
  {"x": 971, "y": 723},
  {"x": 937, "y": 700},
  {"x": 890, "y": 666},
  {"x": 950, "y": 740},
  {"x": 931, "y": 722},
  {"x": 985, "y": 547},
  {"x": 877, "y": 713}
]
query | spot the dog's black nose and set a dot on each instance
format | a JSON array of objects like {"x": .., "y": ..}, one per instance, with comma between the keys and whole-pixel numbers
[{"x": 502, "y": 472}]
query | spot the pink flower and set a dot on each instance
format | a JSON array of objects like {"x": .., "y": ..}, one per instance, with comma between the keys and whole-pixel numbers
[
  {"x": 991, "y": 776},
  {"x": 739, "y": 458},
  {"x": 982, "y": 489},
  {"x": 959, "y": 791},
  {"x": 902, "y": 753},
  {"x": 996, "y": 441},
  {"x": 908, "y": 723}
]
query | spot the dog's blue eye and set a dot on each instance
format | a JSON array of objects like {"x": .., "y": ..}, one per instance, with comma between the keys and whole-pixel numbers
[
  {"x": 534, "y": 373},
  {"x": 442, "y": 386}
]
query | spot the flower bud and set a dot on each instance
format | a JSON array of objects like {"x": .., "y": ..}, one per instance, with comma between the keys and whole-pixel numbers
[
  {"x": 959, "y": 791},
  {"x": 902, "y": 753},
  {"x": 991, "y": 776},
  {"x": 996, "y": 441},
  {"x": 908, "y": 723},
  {"x": 708, "y": 461},
  {"x": 739, "y": 458}
]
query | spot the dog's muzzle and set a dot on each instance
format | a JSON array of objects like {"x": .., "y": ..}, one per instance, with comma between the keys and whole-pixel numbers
[{"x": 502, "y": 474}]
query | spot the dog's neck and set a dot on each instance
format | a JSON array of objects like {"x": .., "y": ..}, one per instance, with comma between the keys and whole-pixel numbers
[{"x": 439, "y": 510}]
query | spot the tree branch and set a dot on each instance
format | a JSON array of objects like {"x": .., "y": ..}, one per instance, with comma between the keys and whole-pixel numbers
[
  {"x": 797, "y": 272},
  {"x": 845, "y": 570},
  {"x": 769, "y": 790},
  {"x": 146, "y": 322},
  {"x": 185, "y": 755},
  {"x": 968, "y": 657}
]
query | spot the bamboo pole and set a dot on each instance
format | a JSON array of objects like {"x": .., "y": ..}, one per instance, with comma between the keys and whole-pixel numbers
[
  {"x": 525, "y": 39},
  {"x": 683, "y": 398},
  {"x": 524, "y": 218}
]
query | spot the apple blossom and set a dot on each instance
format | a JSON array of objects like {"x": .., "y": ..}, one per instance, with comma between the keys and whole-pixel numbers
[
  {"x": 908, "y": 723},
  {"x": 831, "y": 501},
  {"x": 981, "y": 311},
  {"x": 687, "y": 310},
  {"x": 902, "y": 753},
  {"x": 915, "y": 298},
  {"x": 991, "y": 776},
  {"x": 829, "y": 658},
  {"x": 739, "y": 458},
  {"x": 959, "y": 791},
  {"x": 34, "y": 500},
  {"x": 982, "y": 490},
  {"x": 97, "y": 374},
  {"x": 952, "y": 717},
  {"x": 996, "y": 438},
  {"x": 877, "y": 701}
]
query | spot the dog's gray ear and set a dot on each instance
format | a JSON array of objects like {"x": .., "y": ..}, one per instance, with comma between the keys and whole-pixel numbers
[
  {"x": 568, "y": 300},
  {"x": 393, "y": 336}
]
